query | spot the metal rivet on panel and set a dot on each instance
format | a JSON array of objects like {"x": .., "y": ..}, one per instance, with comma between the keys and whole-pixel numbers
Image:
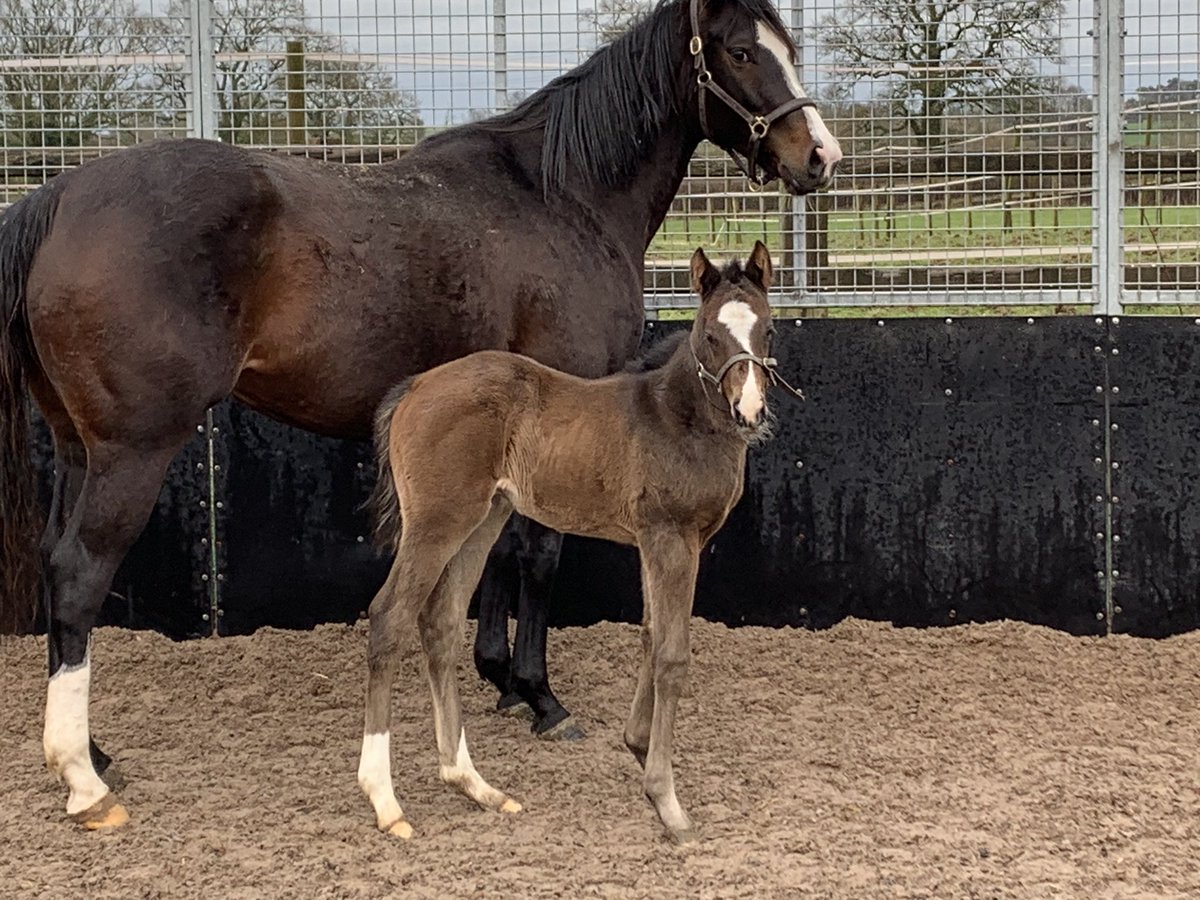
[
  {"x": 359, "y": 539},
  {"x": 1116, "y": 320},
  {"x": 216, "y": 430},
  {"x": 220, "y": 505},
  {"x": 949, "y": 392},
  {"x": 1115, "y": 351},
  {"x": 204, "y": 617},
  {"x": 1116, "y": 499},
  {"x": 799, "y": 464},
  {"x": 881, "y": 321},
  {"x": 949, "y": 320},
  {"x": 1029, "y": 321},
  {"x": 216, "y": 467},
  {"x": 204, "y": 504},
  {"x": 1099, "y": 535},
  {"x": 1115, "y": 573},
  {"x": 1114, "y": 426},
  {"x": 1116, "y": 465},
  {"x": 1100, "y": 573},
  {"x": 1099, "y": 497},
  {"x": 220, "y": 576},
  {"x": 199, "y": 466},
  {"x": 954, "y": 613},
  {"x": 1099, "y": 616},
  {"x": 1117, "y": 609},
  {"x": 1099, "y": 321},
  {"x": 220, "y": 613},
  {"x": 1099, "y": 389},
  {"x": 1098, "y": 349},
  {"x": 1096, "y": 422},
  {"x": 199, "y": 429},
  {"x": 360, "y": 465},
  {"x": 1116, "y": 539},
  {"x": 1116, "y": 390},
  {"x": 204, "y": 576},
  {"x": 1098, "y": 462}
]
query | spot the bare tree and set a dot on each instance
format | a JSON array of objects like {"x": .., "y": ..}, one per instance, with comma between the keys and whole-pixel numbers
[
  {"x": 943, "y": 56},
  {"x": 609, "y": 19},
  {"x": 66, "y": 73}
]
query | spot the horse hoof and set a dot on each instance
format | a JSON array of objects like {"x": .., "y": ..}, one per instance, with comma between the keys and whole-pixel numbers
[
  {"x": 103, "y": 814},
  {"x": 566, "y": 730},
  {"x": 401, "y": 829},
  {"x": 510, "y": 806},
  {"x": 681, "y": 836},
  {"x": 514, "y": 707}
]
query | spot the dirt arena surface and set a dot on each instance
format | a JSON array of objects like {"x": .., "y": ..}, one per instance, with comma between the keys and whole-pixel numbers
[{"x": 865, "y": 761}]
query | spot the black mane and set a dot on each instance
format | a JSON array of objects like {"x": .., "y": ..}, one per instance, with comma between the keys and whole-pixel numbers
[
  {"x": 657, "y": 356},
  {"x": 604, "y": 115}
]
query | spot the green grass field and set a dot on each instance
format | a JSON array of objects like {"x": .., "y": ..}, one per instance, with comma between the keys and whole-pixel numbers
[{"x": 956, "y": 230}]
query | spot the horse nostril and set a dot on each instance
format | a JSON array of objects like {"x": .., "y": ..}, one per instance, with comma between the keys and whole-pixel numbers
[{"x": 816, "y": 161}]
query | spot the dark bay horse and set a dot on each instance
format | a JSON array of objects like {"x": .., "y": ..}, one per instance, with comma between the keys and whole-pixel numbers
[
  {"x": 655, "y": 460},
  {"x": 141, "y": 288}
]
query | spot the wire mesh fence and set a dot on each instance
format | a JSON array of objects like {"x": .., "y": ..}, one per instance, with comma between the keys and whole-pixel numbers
[{"x": 998, "y": 153}]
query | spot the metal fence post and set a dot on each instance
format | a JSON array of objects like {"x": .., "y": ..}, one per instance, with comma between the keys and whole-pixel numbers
[
  {"x": 1108, "y": 174},
  {"x": 799, "y": 229},
  {"x": 500, "y": 53},
  {"x": 201, "y": 75}
]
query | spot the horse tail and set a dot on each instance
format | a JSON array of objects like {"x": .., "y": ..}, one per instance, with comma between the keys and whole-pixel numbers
[
  {"x": 22, "y": 229},
  {"x": 385, "y": 502}
]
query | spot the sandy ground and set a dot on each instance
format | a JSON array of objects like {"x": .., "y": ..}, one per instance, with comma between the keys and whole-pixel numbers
[{"x": 865, "y": 761}]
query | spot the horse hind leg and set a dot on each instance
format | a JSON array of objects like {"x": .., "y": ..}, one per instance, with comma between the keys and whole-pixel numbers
[
  {"x": 440, "y": 625},
  {"x": 70, "y": 465},
  {"x": 116, "y": 497}
]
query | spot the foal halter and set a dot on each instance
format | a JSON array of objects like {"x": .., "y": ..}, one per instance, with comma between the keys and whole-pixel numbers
[
  {"x": 767, "y": 363},
  {"x": 759, "y": 125}
]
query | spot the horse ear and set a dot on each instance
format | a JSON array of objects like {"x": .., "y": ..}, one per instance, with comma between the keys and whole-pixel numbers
[
  {"x": 758, "y": 267},
  {"x": 705, "y": 276}
]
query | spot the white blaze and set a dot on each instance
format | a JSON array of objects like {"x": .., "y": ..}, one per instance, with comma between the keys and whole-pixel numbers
[
  {"x": 739, "y": 318},
  {"x": 65, "y": 736},
  {"x": 831, "y": 150}
]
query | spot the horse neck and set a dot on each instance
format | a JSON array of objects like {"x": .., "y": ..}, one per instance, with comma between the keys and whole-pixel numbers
[{"x": 696, "y": 406}]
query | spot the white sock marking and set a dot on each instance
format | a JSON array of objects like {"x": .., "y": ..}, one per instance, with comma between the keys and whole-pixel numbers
[
  {"x": 375, "y": 778},
  {"x": 831, "y": 150},
  {"x": 739, "y": 318},
  {"x": 65, "y": 736}
]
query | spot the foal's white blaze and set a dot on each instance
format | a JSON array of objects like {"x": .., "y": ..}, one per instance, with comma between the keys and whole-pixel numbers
[
  {"x": 739, "y": 318},
  {"x": 375, "y": 778},
  {"x": 830, "y": 150},
  {"x": 65, "y": 736}
]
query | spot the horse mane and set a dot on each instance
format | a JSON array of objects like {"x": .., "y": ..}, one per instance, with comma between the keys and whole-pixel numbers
[
  {"x": 657, "y": 356},
  {"x": 605, "y": 115}
]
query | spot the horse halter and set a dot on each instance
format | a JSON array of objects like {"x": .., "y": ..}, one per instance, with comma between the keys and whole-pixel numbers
[
  {"x": 767, "y": 363},
  {"x": 759, "y": 125}
]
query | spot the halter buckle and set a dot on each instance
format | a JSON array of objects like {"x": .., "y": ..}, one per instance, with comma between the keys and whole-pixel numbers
[{"x": 696, "y": 45}]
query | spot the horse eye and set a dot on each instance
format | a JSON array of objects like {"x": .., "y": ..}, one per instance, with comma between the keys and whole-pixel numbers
[
  {"x": 739, "y": 55},
  {"x": 710, "y": 337}
]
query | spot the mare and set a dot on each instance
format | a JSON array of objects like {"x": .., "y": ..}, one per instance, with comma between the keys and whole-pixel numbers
[
  {"x": 142, "y": 287},
  {"x": 655, "y": 460}
]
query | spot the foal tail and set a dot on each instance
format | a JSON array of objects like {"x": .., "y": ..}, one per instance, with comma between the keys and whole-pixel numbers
[
  {"x": 385, "y": 502},
  {"x": 22, "y": 229}
]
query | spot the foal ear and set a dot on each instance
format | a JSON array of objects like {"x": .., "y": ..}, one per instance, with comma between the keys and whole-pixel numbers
[
  {"x": 758, "y": 267},
  {"x": 705, "y": 276}
]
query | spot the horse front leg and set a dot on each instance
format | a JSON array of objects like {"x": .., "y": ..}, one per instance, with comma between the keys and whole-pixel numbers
[
  {"x": 538, "y": 561},
  {"x": 669, "y": 566}
]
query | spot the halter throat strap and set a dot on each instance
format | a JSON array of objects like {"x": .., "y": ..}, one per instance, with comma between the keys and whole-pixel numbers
[{"x": 759, "y": 124}]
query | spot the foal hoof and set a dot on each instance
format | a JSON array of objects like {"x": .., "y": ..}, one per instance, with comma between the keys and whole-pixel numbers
[
  {"x": 103, "y": 814},
  {"x": 510, "y": 806},
  {"x": 681, "y": 836},
  {"x": 400, "y": 828},
  {"x": 513, "y": 706},
  {"x": 566, "y": 730}
]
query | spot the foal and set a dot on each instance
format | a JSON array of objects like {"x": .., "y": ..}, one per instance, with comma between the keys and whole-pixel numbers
[{"x": 654, "y": 459}]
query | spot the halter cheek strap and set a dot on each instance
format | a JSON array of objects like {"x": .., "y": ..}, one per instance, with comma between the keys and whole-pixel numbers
[
  {"x": 767, "y": 363},
  {"x": 759, "y": 124}
]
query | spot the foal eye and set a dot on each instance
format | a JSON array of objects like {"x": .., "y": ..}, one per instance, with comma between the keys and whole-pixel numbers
[{"x": 739, "y": 55}]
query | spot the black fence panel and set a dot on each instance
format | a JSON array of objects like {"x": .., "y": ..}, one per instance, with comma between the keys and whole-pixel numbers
[
  {"x": 163, "y": 582},
  {"x": 1154, "y": 428},
  {"x": 939, "y": 472}
]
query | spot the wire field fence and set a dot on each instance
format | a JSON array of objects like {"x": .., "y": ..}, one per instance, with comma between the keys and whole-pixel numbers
[{"x": 1000, "y": 153}]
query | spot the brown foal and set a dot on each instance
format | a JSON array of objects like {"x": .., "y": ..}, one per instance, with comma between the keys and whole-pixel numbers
[{"x": 654, "y": 459}]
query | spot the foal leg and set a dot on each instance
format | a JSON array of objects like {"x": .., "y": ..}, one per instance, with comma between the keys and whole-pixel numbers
[
  {"x": 117, "y": 495},
  {"x": 538, "y": 561},
  {"x": 440, "y": 625},
  {"x": 412, "y": 579},
  {"x": 637, "y": 727},
  {"x": 669, "y": 566}
]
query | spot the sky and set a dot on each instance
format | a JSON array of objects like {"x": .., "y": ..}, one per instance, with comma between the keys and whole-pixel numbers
[{"x": 441, "y": 50}]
